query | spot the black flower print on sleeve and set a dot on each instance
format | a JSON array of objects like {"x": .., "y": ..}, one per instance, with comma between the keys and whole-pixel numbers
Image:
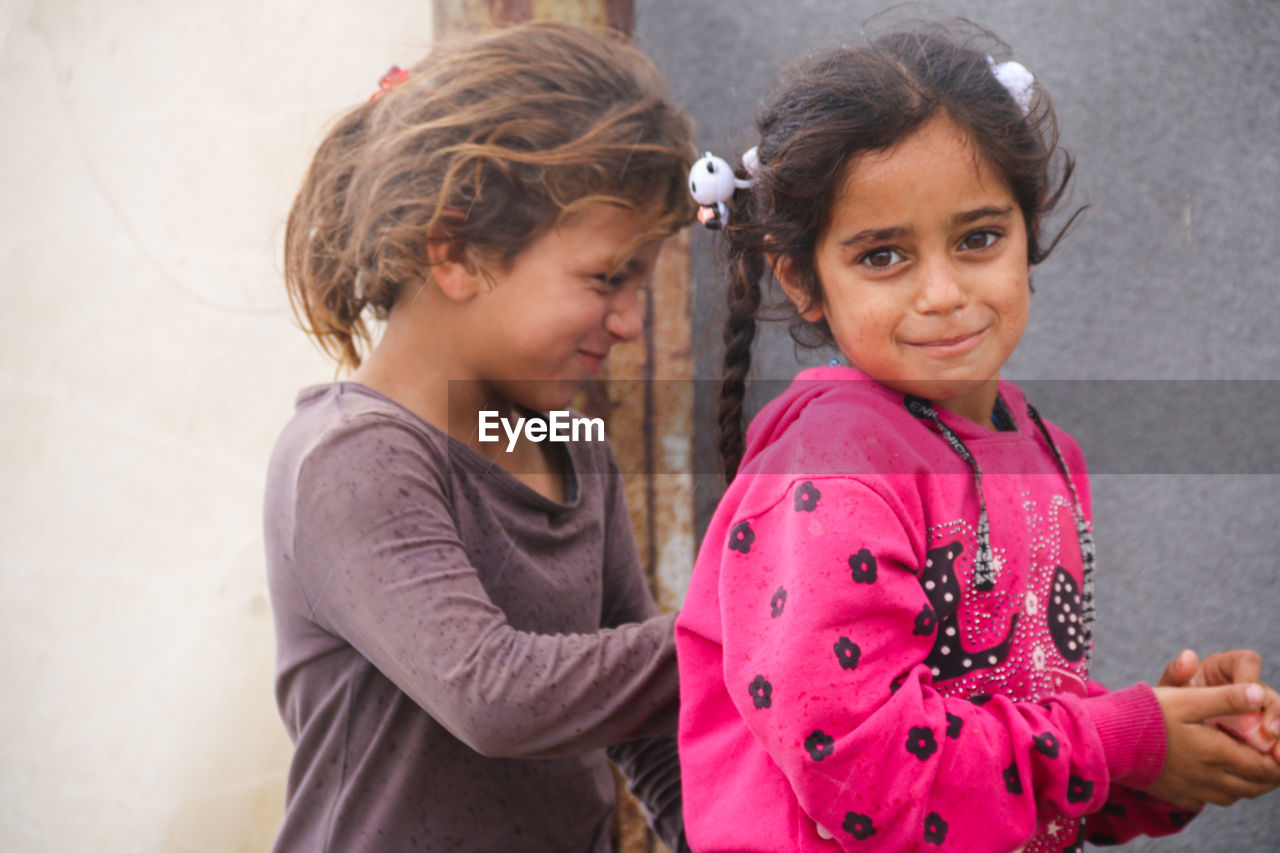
[
  {"x": 1046, "y": 744},
  {"x": 1180, "y": 819},
  {"x": 1079, "y": 790},
  {"x": 858, "y": 825},
  {"x": 761, "y": 692},
  {"x": 1012, "y": 781},
  {"x": 935, "y": 829},
  {"x": 897, "y": 683},
  {"x": 920, "y": 742},
  {"x": 1101, "y": 839},
  {"x": 819, "y": 744},
  {"x": 807, "y": 497},
  {"x": 954, "y": 724},
  {"x": 741, "y": 537},
  {"x": 862, "y": 566},
  {"x": 980, "y": 699},
  {"x": 778, "y": 602},
  {"x": 926, "y": 621},
  {"x": 847, "y": 653}
]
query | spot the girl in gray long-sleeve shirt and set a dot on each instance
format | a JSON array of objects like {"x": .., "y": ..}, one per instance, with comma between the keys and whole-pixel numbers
[{"x": 464, "y": 632}]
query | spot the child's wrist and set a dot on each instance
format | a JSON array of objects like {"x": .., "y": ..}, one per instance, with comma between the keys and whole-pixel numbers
[{"x": 1131, "y": 727}]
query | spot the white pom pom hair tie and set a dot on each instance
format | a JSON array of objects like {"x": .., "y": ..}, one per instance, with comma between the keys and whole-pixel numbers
[
  {"x": 1016, "y": 79},
  {"x": 712, "y": 184}
]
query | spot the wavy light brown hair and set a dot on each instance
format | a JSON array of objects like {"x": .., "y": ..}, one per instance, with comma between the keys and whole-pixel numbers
[
  {"x": 839, "y": 106},
  {"x": 487, "y": 144}
]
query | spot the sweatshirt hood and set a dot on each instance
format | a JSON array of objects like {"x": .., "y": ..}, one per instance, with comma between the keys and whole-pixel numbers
[{"x": 808, "y": 386}]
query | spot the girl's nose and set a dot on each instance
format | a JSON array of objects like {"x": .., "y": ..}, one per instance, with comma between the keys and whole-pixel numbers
[
  {"x": 624, "y": 320},
  {"x": 941, "y": 290}
]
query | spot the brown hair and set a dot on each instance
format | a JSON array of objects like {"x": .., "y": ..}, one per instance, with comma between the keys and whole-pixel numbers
[
  {"x": 490, "y": 141},
  {"x": 839, "y": 106}
]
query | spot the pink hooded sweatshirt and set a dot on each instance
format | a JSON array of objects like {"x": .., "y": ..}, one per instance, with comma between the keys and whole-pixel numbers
[{"x": 885, "y": 642}]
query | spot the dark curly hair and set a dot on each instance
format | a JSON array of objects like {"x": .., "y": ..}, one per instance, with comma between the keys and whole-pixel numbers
[{"x": 838, "y": 106}]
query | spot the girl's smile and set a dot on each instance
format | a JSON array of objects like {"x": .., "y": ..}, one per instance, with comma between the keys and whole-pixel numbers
[
  {"x": 952, "y": 346},
  {"x": 594, "y": 360},
  {"x": 924, "y": 272}
]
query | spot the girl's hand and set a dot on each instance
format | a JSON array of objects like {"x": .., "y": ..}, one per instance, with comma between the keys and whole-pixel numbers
[
  {"x": 1203, "y": 765},
  {"x": 1234, "y": 667},
  {"x": 1240, "y": 666}
]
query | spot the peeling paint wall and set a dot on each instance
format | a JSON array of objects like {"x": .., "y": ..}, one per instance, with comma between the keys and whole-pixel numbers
[{"x": 150, "y": 152}]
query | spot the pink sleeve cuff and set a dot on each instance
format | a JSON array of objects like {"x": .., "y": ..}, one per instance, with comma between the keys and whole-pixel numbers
[{"x": 1131, "y": 727}]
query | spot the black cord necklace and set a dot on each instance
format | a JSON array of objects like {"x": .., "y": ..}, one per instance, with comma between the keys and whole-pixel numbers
[{"x": 984, "y": 569}]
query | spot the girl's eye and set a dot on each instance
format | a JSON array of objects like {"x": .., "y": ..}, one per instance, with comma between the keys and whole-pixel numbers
[
  {"x": 979, "y": 240},
  {"x": 882, "y": 258},
  {"x": 611, "y": 282}
]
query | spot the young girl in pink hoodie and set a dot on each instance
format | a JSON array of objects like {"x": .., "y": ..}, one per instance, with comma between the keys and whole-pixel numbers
[{"x": 886, "y": 641}]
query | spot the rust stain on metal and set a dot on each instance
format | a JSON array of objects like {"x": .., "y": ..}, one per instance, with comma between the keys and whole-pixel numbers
[
  {"x": 651, "y": 425},
  {"x": 456, "y": 17},
  {"x": 647, "y": 404},
  {"x": 671, "y": 430}
]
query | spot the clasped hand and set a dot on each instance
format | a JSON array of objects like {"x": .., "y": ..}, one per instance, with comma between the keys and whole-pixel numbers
[{"x": 1204, "y": 764}]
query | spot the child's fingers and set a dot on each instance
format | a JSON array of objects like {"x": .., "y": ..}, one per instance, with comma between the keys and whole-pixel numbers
[
  {"x": 1271, "y": 714},
  {"x": 1197, "y": 704},
  {"x": 1247, "y": 728},
  {"x": 1259, "y": 730},
  {"x": 1223, "y": 786},
  {"x": 1248, "y": 763},
  {"x": 1180, "y": 670},
  {"x": 1202, "y": 764},
  {"x": 1246, "y": 771},
  {"x": 1237, "y": 666},
  {"x": 1230, "y": 788}
]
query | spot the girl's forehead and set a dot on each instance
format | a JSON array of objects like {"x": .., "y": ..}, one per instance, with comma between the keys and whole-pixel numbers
[
  {"x": 935, "y": 167},
  {"x": 613, "y": 233}
]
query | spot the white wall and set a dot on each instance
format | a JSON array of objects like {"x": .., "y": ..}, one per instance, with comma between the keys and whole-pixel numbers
[{"x": 148, "y": 156}]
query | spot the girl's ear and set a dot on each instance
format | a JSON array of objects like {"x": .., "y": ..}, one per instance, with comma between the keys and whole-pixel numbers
[
  {"x": 454, "y": 268},
  {"x": 784, "y": 271}
]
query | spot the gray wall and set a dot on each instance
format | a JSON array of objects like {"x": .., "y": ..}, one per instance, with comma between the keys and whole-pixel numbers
[{"x": 1172, "y": 110}]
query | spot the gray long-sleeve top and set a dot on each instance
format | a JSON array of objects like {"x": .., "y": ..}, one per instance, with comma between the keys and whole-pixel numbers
[{"x": 455, "y": 651}]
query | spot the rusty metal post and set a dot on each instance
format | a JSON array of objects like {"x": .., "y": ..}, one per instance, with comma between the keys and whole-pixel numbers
[
  {"x": 459, "y": 16},
  {"x": 646, "y": 397}
]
